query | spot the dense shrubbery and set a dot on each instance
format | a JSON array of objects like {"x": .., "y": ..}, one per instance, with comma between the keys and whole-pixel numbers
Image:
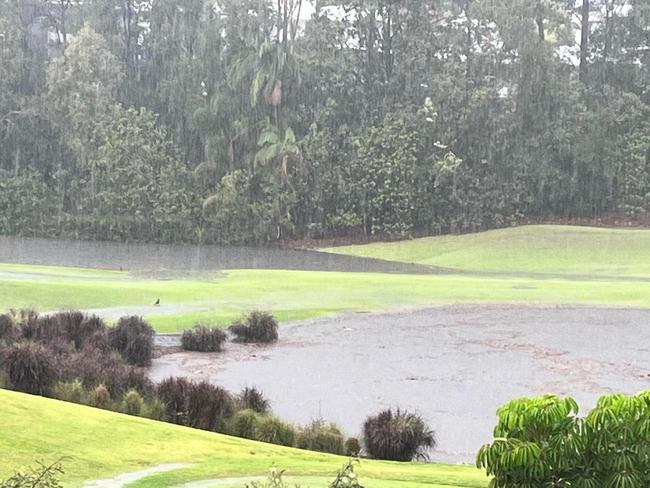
[
  {"x": 31, "y": 368},
  {"x": 397, "y": 436},
  {"x": 352, "y": 446},
  {"x": 266, "y": 428},
  {"x": 256, "y": 327},
  {"x": 132, "y": 337},
  {"x": 203, "y": 339},
  {"x": 322, "y": 437},
  {"x": 70, "y": 356}
]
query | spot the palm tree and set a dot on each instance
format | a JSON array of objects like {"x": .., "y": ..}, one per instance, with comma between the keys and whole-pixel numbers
[{"x": 280, "y": 146}]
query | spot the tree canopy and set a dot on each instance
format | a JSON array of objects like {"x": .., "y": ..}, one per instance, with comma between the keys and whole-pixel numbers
[{"x": 234, "y": 121}]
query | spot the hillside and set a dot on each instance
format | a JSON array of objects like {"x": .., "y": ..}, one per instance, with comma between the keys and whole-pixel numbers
[
  {"x": 549, "y": 249},
  {"x": 99, "y": 444}
]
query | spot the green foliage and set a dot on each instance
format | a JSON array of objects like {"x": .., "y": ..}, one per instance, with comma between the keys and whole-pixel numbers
[
  {"x": 322, "y": 437},
  {"x": 274, "y": 480},
  {"x": 70, "y": 391},
  {"x": 346, "y": 477},
  {"x": 244, "y": 423},
  {"x": 38, "y": 476},
  {"x": 100, "y": 397},
  {"x": 385, "y": 121},
  {"x": 543, "y": 442},
  {"x": 132, "y": 403},
  {"x": 273, "y": 430}
]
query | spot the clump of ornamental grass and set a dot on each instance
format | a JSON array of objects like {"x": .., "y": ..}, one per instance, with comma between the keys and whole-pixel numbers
[
  {"x": 397, "y": 436},
  {"x": 31, "y": 368},
  {"x": 256, "y": 327},
  {"x": 132, "y": 337},
  {"x": 253, "y": 399},
  {"x": 203, "y": 339}
]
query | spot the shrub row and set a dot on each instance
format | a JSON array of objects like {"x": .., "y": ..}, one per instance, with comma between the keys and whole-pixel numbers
[{"x": 71, "y": 356}]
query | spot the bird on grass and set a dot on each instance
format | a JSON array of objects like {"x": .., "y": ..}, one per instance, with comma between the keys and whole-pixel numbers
[{"x": 157, "y": 302}]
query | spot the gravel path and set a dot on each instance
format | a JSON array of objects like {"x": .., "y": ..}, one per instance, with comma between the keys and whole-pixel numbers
[{"x": 126, "y": 478}]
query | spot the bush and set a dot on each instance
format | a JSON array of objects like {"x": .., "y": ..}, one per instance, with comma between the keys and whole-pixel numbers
[
  {"x": 68, "y": 326},
  {"x": 100, "y": 397},
  {"x": 253, "y": 399},
  {"x": 70, "y": 391},
  {"x": 93, "y": 368},
  {"x": 132, "y": 337},
  {"x": 257, "y": 327},
  {"x": 274, "y": 431},
  {"x": 208, "y": 406},
  {"x": 397, "y": 436},
  {"x": 132, "y": 403},
  {"x": 244, "y": 424},
  {"x": 154, "y": 410},
  {"x": 42, "y": 329},
  {"x": 203, "y": 339},
  {"x": 173, "y": 392},
  {"x": 321, "y": 437},
  {"x": 31, "y": 368},
  {"x": 352, "y": 447}
]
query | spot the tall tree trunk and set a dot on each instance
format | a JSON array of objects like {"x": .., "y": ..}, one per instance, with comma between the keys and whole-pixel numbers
[
  {"x": 584, "y": 39},
  {"x": 539, "y": 19}
]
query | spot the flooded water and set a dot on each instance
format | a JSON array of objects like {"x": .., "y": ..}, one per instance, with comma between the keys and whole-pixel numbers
[
  {"x": 453, "y": 364},
  {"x": 114, "y": 255}
]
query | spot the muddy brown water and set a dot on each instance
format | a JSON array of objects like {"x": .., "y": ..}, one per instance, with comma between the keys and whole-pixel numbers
[
  {"x": 454, "y": 364},
  {"x": 133, "y": 257}
]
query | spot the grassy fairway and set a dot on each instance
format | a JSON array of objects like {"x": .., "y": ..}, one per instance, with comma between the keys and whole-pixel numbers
[
  {"x": 289, "y": 294},
  {"x": 554, "y": 249},
  {"x": 100, "y": 444}
]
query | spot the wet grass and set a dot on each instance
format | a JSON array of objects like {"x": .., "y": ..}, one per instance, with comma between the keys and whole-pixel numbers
[
  {"x": 292, "y": 294},
  {"x": 552, "y": 249},
  {"x": 101, "y": 444}
]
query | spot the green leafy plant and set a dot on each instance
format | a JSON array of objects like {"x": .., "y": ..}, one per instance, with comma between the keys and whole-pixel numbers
[
  {"x": 346, "y": 477},
  {"x": 543, "y": 442}
]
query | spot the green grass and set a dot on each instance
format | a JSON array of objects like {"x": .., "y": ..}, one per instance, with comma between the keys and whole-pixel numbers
[
  {"x": 293, "y": 294},
  {"x": 100, "y": 444},
  {"x": 553, "y": 249}
]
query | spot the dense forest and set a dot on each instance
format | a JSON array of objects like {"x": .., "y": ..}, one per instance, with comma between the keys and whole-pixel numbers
[{"x": 252, "y": 121}]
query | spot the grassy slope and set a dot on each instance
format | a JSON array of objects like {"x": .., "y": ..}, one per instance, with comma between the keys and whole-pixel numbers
[
  {"x": 538, "y": 249},
  {"x": 293, "y": 294},
  {"x": 100, "y": 444}
]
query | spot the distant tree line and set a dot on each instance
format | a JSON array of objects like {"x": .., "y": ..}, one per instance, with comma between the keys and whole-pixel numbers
[{"x": 242, "y": 121}]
